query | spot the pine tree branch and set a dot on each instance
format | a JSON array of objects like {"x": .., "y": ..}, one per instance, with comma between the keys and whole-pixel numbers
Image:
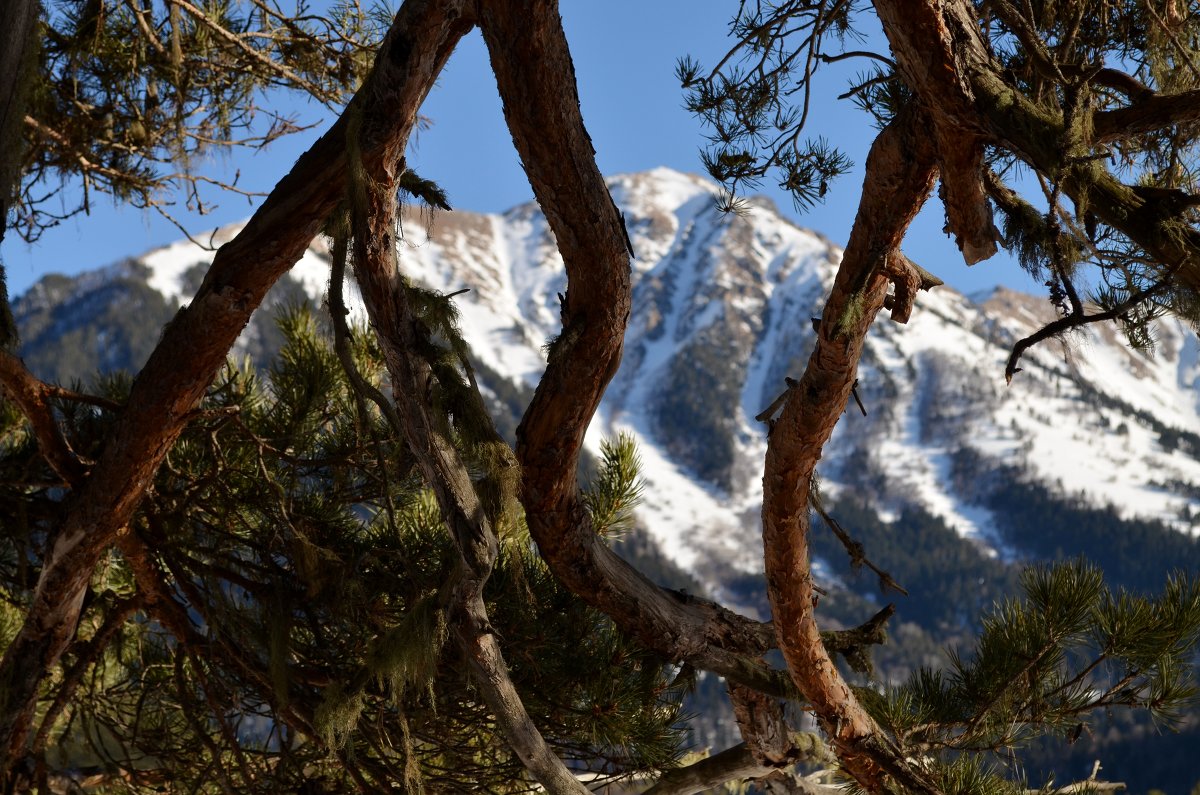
[
  {"x": 194, "y": 345},
  {"x": 1157, "y": 223},
  {"x": 31, "y": 395},
  {"x": 70, "y": 395},
  {"x": 1030, "y": 39},
  {"x": 205, "y": 20},
  {"x": 360, "y": 388},
  {"x": 185, "y": 688},
  {"x": 86, "y": 654},
  {"x": 218, "y": 648},
  {"x": 1079, "y": 319},
  {"x": 1089, "y": 784}
]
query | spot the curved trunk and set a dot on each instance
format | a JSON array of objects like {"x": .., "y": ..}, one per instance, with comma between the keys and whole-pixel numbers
[
  {"x": 194, "y": 346},
  {"x": 533, "y": 68},
  {"x": 899, "y": 176}
]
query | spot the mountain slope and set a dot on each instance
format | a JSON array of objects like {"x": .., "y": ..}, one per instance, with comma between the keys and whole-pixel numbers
[
  {"x": 721, "y": 314},
  {"x": 1094, "y": 449}
]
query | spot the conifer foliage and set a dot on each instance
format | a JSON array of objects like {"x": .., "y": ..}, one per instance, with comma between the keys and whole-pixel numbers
[
  {"x": 129, "y": 97},
  {"x": 277, "y": 612},
  {"x": 338, "y": 576}
]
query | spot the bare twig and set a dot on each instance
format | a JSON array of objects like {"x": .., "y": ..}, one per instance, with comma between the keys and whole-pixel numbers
[
  {"x": 31, "y": 395},
  {"x": 1077, "y": 319},
  {"x": 855, "y": 549}
]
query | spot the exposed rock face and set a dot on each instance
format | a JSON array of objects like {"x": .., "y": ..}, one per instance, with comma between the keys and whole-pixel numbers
[{"x": 722, "y": 313}]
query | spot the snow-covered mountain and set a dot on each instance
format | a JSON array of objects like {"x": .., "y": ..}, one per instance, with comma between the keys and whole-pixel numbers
[{"x": 721, "y": 314}]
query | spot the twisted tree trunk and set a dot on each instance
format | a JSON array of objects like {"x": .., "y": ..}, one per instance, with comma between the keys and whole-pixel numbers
[
  {"x": 899, "y": 176},
  {"x": 194, "y": 346}
]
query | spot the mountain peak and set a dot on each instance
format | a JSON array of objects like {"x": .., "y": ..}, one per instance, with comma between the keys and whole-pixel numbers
[
  {"x": 720, "y": 318},
  {"x": 642, "y": 193}
]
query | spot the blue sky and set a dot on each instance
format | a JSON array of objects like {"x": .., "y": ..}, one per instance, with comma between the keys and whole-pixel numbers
[{"x": 625, "y": 53}]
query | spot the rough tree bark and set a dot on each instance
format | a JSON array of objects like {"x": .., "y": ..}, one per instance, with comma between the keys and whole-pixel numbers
[
  {"x": 18, "y": 43},
  {"x": 194, "y": 346},
  {"x": 968, "y": 90},
  {"x": 958, "y": 135},
  {"x": 899, "y": 176},
  {"x": 536, "y": 81}
]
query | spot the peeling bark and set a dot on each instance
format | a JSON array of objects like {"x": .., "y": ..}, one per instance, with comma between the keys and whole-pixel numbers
[
  {"x": 926, "y": 57},
  {"x": 899, "y": 176},
  {"x": 195, "y": 343}
]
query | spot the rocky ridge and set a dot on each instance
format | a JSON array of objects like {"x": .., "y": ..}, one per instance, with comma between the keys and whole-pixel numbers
[{"x": 721, "y": 314}]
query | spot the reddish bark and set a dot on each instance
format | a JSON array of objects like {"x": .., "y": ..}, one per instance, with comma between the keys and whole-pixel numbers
[
  {"x": 926, "y": 56},
  {"x": 195, "y": 343},
  {"x": 533, "y": 69},
  {"x": 400, "y": 335},
  {"x": 899, "y": 175}
]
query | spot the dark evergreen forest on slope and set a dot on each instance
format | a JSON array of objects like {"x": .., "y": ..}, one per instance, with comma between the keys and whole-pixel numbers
[{"x": 951, "y": 581}]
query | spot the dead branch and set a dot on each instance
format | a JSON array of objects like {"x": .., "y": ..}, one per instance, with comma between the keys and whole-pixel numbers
[
  {"x": 854, "y": 549},
  {"x": 907, "y": 277},
  {"x": 31, "y": 395},
  {"x": 1079, "y": 319}
]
